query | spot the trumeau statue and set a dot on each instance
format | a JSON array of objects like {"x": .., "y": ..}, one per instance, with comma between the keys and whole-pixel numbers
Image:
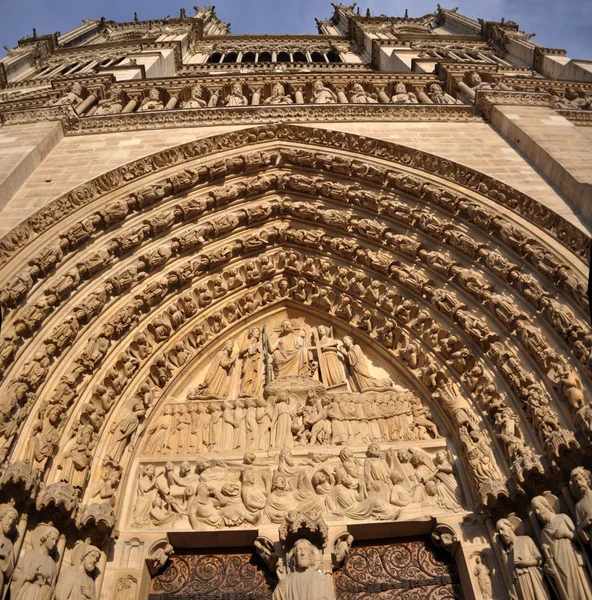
[{"x": 303, "y": 580}]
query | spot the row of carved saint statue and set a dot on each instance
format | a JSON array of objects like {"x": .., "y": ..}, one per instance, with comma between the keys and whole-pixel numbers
[
  {"x": 215, "y": 494},
  {"x": 277, "y": 421}
]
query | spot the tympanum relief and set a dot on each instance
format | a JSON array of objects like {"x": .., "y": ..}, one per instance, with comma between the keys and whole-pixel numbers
[{"x": 291, "y": 416}]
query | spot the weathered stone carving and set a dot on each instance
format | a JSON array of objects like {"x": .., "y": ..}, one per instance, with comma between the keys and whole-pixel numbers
[
  {"x": 563, "y": 563},
  {"x": 152, "y": 102},
  {"x": 77, "y": 582},
  {"x": 36, "y": 571}
]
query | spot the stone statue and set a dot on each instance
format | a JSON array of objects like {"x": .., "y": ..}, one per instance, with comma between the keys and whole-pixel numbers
[
  {"x": 278, "y": 95},
  {"x": 74, "y": 96},
  {"x": 36, "y": 571},
  {"x": 289, "y": 355},
  {"x": 580, "y": 486},
  {"x": 196, "y": 100},
  {"x": 152, "y": 102},
  {"x": 524, "y": 563},
  {"x": 8, "y": 517},
  {"x": 219, "y": 376},
  {"x": 563, "y": 562},
  {"x": 111, "y": 104},
  {"x": 402, "y": 96},
  {"x": 483, "y": 576},
  {"x": 322, "y": 94},
  {"x": 330, "y": 358},
  {"x": 236, "y": 97},
  {"x": 303, "y": 581},
  {"x": 252, "y": 370},
  {"x": 77, "y": 581},
  {"x": 438, "y": 96},
  {"x": 359, "y": 371},
  {"x": 360, "y": 96}
]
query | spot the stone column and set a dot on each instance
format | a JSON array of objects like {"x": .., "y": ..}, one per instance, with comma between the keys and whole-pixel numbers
[
  {"x": 341, "y": 96},
  {"x": 130, "y": 106},
  {"x": 298, "y": 95},
  {"x": 423, "y": 97},
  {"x": 172, "y": 102},
  {"x": 382, "y": 96},
  {"x": 214, "y": 95},
  {"x": 256, "y": 94},
  {"x": 85, "y": 104},
  {"x": 466, "y": 90}
]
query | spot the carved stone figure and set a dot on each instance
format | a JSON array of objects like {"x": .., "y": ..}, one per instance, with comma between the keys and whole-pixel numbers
[
  {"x": 303, "y": 581},
  {"x": 289, "y": 355},
  {"x": 74, "y": 96},
  {"x": 524, "y": 563},
  {"x": 252, "y": 370},
  {"x": 438, "y": 96},
  {"x": 580, "y": 486},
  {"x": 322, "y": 94},
  {"x": 77, "y": 582},
  {"x": 8, "y": 517},
  {"x": 359, "y": 371},
  {"x": 278, "y": 95},
  {"x": 563, "y": 561},
  {"x": 359, "y": 95},
  {"x": 36, "y": 571},
  {"x": 219, "y": 376},
  {"x": 153, "y": 101},
  {"x": 402, "y": 96},
  {"x": 111, "y": 104},
  {"x": 236, "y": 97},
  {"x": 196, "y": 100}
]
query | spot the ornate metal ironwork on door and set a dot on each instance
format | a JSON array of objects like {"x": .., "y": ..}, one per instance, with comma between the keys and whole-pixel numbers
[
  {"x": 213, "y": 576},
  {"x": 412, "y": 569}
]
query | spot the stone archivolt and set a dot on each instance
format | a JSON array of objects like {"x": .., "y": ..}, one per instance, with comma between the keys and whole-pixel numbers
[{"x": 133, "y": 303}]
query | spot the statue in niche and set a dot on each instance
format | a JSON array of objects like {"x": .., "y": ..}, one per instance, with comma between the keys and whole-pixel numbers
[
  {"x": 152, "y": 102},
  {"x": 8, "y": 517},
  {"x": 36, "y": 571},
  {"x": 252, "y": 370},
  {"x": 402, "y": 96},
  {"x": 483, "y": 576},
  {"x": 579, "y": 483},
  {"x": 278, "y": 95},
  {"x": 289, "y": 355},
  {"x": 236, "y": 97},
  {"x": 524, "y": 563},
  {"x": 438, "y": 96},
  {"x": 303, "y": 581},
  {"x": 74, "y": 96},
  {"x": 330, "y": 358},
  {"x": 111, "y": 104},
  {"x": 359, "y": 95},
  {"x": 196, "y": 100},
  {"x": 359, "y": 371},
  {"x": 219, "y": 376},
  {"x": 77, "y": 581},
  {"x": 45, "y": 435},
  {"x": 563, "y": 562},
  {"x": 322, "y": 94}
]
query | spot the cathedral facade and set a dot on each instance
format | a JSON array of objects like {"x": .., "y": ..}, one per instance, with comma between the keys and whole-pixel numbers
[{"x": 295, "y": 317}]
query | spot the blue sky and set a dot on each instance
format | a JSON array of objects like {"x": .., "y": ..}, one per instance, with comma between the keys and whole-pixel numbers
[{"x": 557, "y": 23}]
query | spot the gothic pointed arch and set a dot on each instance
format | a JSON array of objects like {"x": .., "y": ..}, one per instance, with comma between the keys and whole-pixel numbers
[{"x": 121, "y": 297}]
